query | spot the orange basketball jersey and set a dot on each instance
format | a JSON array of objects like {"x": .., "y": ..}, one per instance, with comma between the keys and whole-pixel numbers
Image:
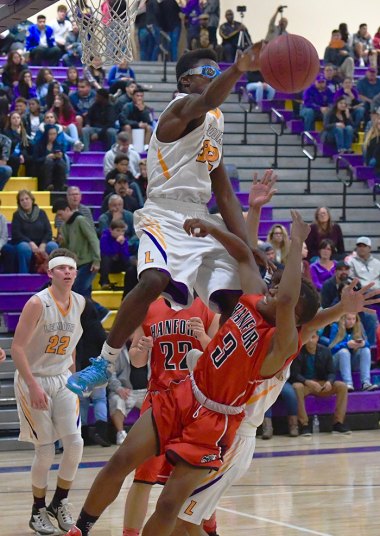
[
  {"x": 229, "y": 369},
  {"x": 172, "y": 339}
]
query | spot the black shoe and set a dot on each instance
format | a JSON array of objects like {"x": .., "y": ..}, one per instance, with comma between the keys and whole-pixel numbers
[
  {"x": 339, "y": 428},
  {"x": 305, "y": 430},
  {"x": 100, "y": 434}
]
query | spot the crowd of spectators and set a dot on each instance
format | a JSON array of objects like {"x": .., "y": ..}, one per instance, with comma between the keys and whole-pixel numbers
[{"x": 42, "y": 119}]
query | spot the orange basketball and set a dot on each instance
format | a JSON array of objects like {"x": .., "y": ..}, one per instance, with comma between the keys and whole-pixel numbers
[{"x": 289, "y": 63}]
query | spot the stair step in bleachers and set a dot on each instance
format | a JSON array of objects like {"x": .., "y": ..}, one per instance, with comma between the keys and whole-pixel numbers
[
  {"x": 20, "y": 183},
  {"x": 22, "y": 282},
  {"x": 107, "y": 298},
  {"x": 8, "y": 198}
]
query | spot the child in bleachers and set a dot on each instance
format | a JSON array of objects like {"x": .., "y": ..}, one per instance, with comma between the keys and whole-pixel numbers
[
  {"x": 114, "y": 250},
  {"x": 121, "y": 164}
]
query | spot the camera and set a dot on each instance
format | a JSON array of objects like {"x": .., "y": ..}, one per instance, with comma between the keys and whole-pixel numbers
[
  {"x": 281, "y": 8},
  {"x": 241, "y": 9}
]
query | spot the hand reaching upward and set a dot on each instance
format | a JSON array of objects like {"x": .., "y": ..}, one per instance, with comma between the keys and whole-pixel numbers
[{"x": 262, "y": 190}]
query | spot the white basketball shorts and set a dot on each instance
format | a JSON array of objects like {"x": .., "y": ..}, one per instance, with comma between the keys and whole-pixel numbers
[
  {"x": 200, "y": 264},
  {"x": 62, "y": 417}
]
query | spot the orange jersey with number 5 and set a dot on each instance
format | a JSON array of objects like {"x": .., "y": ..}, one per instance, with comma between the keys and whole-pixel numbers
[{"x": 172, "y": 339}]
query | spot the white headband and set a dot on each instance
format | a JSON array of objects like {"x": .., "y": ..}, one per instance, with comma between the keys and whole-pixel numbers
[{"x": 62, "y": 261}]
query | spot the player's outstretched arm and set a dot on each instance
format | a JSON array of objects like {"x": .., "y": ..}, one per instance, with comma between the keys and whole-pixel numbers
[
  {"x": 250, "y": 279},
  {"x": 285, "y": 340},
  {"x": 196, "y": 105},
  {"x": 351, "y": 302},
  {"x": 261, "y": 192}
]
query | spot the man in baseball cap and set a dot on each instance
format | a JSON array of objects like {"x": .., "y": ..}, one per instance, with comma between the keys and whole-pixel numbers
[{"x": 364, "y": 265}]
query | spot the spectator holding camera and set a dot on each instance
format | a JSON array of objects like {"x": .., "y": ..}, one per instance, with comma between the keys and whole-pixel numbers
[
  {"x": 364, "y": 265},
  {"x": 274, "y": 30},
  {"x": 338, "y": 127},
  {"x": 351, "y": 351}
]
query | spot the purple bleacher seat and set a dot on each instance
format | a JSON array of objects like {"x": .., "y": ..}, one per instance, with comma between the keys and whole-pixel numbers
[
  {"x": 86, "y": 170},
  {"x": 22, "y": 282},
  {"x": 267, "y": 105},
  {"x": 97, "y": 146},
  {"x": 96, "y": 212},
  {"x": 327, "y": 149},
  {"x": 11, "y": 321},
  {"x": 353, "y": 159},
  {"x": 358, "y": 402},
  {"x": 295, "y": 126},
  {"x": 87, "y": 183},
  {"x": 364, "y": 173},
  {"x": 91, "y": 157},
  {"x": 92, "y": 198},
  {"x": 9, "y": 301},
  {"x": 286, "y": 114}
]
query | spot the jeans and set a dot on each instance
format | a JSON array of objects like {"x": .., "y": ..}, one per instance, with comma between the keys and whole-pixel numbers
[
  {"x": 71, "y": 134},
  {"x": 346, "y": 361},
  {"x": 259, "y": 90},
  {"x": 99, "y": 401},
  {"x": 53, "y": 174},
  {"x": 309, "y": 115},
  {"x": 173, "y": 45},
  {"x": 289, "y": 397},
  {"x": 369, "y": 322},
  {"x": 24, "y": 254},
  {"x": 5, "y": 175},
  {"x": 357, "y": 116},
  {"x": 343, "y": 137},
  {"x": 84, "y": 279},
  {"x": 149, "y": 42},
  {"x": 107, "y": 135}
]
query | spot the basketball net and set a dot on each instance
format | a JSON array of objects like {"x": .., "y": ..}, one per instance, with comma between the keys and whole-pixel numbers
[{"x": 105, "y": 28}]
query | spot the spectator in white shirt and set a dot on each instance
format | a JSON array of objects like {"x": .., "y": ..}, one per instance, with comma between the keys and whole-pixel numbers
[
  {"x": 61, "y": 27},
  {"x": 364, "y": 266}
]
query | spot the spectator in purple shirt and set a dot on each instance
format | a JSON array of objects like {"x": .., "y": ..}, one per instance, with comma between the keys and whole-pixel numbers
[
  {"x": 322, "y": 269},
  {"x": 316, "y": 101},
  {"x": 114, "y": 250}
]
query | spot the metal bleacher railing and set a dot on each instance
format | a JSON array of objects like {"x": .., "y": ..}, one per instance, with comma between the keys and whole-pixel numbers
[
  {"x": 276, "y": 118},
  {"x": 346, "y": 179},
  {"x": 307, "y": 141}
]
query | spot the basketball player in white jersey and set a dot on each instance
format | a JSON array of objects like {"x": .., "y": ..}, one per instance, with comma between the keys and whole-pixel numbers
[
  {"x": 43, "y": 350},
  {"x": 184, "y": 165}
]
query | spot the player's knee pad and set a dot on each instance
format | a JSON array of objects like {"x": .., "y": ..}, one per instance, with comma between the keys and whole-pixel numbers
[
  {"x": 72, "y": 455},
  {"x": 43, "y": 459}
]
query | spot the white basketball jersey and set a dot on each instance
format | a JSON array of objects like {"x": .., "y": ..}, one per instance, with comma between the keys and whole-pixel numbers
[
  {"x": 181, "y": 169},
  {"x": 55, "y": 336},
  {"x": 263, "y": 398}
]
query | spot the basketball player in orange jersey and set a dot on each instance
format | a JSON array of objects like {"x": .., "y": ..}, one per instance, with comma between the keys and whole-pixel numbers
[
  {"x": 168, "y": 335},
  {"x": 194, "y": 422},
  {"x": 185, "y": 164}
]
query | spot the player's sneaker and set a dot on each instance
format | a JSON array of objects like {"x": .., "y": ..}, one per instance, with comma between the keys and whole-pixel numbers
[
  {"x": 40, "y": 522},
  {"x": 74, "y": 531},
  {"x": 62, "y": 514},
  {"x": 85, "y": 381}
]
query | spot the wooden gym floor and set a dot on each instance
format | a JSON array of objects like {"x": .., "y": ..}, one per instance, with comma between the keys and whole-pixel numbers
[{"x": 324, "y": 485}]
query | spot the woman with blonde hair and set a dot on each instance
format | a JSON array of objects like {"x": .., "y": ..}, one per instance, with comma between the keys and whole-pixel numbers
[
  {"x": 351, "y": 351},
  {"x": 279, "y": 239},
  {"x": 371, "y": 147},
  {"x": 324, "y": 227}
]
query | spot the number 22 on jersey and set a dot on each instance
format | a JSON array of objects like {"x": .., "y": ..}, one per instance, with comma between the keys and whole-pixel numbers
[{"x": 57, "y": 345}]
